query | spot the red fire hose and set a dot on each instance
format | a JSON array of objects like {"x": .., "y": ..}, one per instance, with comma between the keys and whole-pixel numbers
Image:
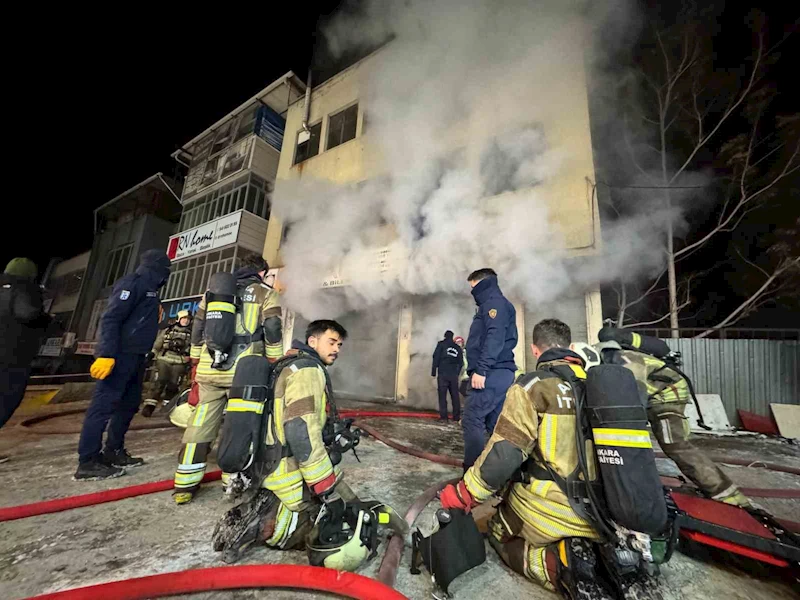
[
  {"x": 387, "y": 573},
  {"x": 320, "y": 579},
  {"x": 22, "y": 511}
]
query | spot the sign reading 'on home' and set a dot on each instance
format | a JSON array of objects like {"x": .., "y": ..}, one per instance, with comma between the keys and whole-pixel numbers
[{"x": 217, "y": 233}]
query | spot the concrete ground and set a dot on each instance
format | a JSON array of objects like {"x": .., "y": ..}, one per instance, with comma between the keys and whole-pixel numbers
[{"x": 149, "y": 534}]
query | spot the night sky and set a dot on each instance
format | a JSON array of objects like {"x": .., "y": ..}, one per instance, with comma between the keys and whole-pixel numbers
[
  {"x": 98, "y": 108},
  {"x": 103, "y": 108}
]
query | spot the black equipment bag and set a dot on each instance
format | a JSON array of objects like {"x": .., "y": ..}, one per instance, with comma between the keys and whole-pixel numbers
[
  {"x": 634, "y": 496},
  {"x": 453, "y": 550},
  {"x": 222, "y": 303}
]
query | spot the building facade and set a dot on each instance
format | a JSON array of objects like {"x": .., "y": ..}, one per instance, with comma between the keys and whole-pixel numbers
[
  {"x": 139, "y": 219},
  {"x": 227, "y": 195},
  {"x": 341, "y": 148}
]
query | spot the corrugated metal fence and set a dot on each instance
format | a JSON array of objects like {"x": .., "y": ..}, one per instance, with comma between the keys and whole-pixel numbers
[{"x": 748, "y": 368}]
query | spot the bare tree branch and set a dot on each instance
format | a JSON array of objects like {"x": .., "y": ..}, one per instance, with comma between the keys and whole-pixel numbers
[
  {"x": 745, "y": 306},
  {"x": 732, "y": 106},
  {"x": 747, "y": 198}
]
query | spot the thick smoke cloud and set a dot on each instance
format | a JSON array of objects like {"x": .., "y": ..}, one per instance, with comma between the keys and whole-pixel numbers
[{"x": 458, "y": 106}]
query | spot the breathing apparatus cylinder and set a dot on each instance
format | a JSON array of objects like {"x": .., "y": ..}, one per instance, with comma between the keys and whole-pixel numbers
[
  {"x": 248, "y": 411},
  {"x": 634, "y": 496},
  {"x": 631, "y": 340},
  {"x": 220, "y": 329}
]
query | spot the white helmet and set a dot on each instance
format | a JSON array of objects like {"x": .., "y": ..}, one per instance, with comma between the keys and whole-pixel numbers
[{"x": 587, "y": 352}]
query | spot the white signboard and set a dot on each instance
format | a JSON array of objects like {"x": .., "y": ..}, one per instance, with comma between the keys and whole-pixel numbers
[
  {"x": 51, "y": 347},
  {"x": 218, "y": 233},
  {"x": 368, "y": 265}
]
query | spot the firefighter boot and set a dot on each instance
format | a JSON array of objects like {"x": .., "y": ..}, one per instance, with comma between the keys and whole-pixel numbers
[
  {"x": 245, "y": 523},
  {"x": 576, "y": 570}
]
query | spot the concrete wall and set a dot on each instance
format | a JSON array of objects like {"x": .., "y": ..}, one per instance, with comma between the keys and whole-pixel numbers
[{"x": 571, "y": 209}]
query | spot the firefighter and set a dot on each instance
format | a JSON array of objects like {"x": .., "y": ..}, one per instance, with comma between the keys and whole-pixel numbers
[
  {"x": 667, "y": 394},
  {"x": 259, "y": 326},
  {"x": 490, "y": 360},
  {"x": 128, "y": 328},
  {"x": 535, "y": 531},
  {"x": 171, "y": 353},
  {"x": 448, "y": 360},
  {"x": 306, "y": 476}
]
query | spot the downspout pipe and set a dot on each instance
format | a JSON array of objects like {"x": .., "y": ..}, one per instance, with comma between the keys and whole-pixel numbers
[{"x": 307, "y": 108}]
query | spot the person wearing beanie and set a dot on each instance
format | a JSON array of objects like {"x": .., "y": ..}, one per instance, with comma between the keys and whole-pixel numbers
[
  {"x": 22, "y": 325},
  {"x": 128, "y": 329}
]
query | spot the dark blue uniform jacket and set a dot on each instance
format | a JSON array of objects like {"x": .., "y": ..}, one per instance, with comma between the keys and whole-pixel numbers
[
  {"x": 493, "y": 334},
  {"x": 130, "y": 323}
]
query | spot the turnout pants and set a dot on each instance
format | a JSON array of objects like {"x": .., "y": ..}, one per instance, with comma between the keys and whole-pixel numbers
[
  {"x": 13, "y": 381},
  {"x": 448, "y": 383},
  {"x": 166, "y": 384},
  {"x": 198, "y": 437},
  {"x": 482, "y": 411},
  {"x": 536, "y": 561},
  {"x": 114, "y": 403},
  {"x": 671, "y": 428}
]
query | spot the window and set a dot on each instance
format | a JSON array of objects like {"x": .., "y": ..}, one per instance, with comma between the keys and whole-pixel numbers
[
  {"x": 117, "y": 264},
  {"x": 310, "y": 147},
  {"x": 342, "y": 126}
]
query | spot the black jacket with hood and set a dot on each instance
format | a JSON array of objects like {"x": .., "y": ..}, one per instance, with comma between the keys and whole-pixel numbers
[
  {"x": 130, "y": 323},
  {"x": 22, "y": 320},
  {"x": 448, "y": 357}
]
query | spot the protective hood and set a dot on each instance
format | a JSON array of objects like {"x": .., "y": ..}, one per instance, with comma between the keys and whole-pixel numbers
[
  {"x": 303, "y": 347},
  {"x": 154, "y": 268},
  {"x": 560, "y": 354},
  {"x": 485, "y": 289},
  {"x": 248, "y": 273}
]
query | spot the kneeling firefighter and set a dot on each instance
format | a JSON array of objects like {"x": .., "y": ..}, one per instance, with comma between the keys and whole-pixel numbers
[
  {"x": 298, "y": 497},
  {"x": 171, "y": 352},
  {"x": 571, "y": 519},
  {"x": 667, "y": 391},
  {"x": 238, "y": 316}
]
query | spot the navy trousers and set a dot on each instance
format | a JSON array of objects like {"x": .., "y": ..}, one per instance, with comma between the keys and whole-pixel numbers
[
  {"x": 445, "y": 383},
  {"x": 482, "y": 411},
  {"x": 13, "y": 381},
  {"x": 114, "y": 403}
]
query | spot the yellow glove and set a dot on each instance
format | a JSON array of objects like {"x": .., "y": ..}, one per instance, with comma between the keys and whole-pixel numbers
[{"x": 102, "y": 367}]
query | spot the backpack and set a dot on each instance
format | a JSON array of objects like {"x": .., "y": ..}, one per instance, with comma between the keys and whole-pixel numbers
[
  {"x": 248, "y": 441},
  {"x": 616, "y": 482}
]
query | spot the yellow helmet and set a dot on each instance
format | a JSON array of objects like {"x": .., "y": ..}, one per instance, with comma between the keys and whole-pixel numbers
[
  {"x": 183, "y": 313},
  {"x": 346, "y": 540}
]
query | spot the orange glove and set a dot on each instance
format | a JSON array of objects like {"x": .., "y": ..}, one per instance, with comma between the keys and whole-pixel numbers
[
  {"x": 102, "y": 367},
  {"x": 457, "y": 496}
]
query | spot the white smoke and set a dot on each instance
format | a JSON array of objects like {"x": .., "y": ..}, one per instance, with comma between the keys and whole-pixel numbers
[{"x": 458, "y": 105}]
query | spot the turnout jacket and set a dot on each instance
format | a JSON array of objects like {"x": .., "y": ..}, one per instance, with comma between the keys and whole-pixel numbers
[
  {"x": 302, "y": 394},
  {"x": 657, "y": 383},
  {"x": 259, "y": 317},
  {"x": 537, "y": 424},
  {"x": 173, "y": 344}
]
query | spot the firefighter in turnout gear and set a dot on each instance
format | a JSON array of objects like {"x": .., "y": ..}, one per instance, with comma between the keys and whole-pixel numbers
[
  {"x": 535, "y": 530},
  {"x": 667, "y": 394},
  {"x": 306, "y": 476},
  {"x": 171, "y": 353},
  {"x": 258, "y": 331}
]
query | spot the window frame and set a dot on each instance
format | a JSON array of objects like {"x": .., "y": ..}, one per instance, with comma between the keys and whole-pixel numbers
[{"x": 330, "y": 129}]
